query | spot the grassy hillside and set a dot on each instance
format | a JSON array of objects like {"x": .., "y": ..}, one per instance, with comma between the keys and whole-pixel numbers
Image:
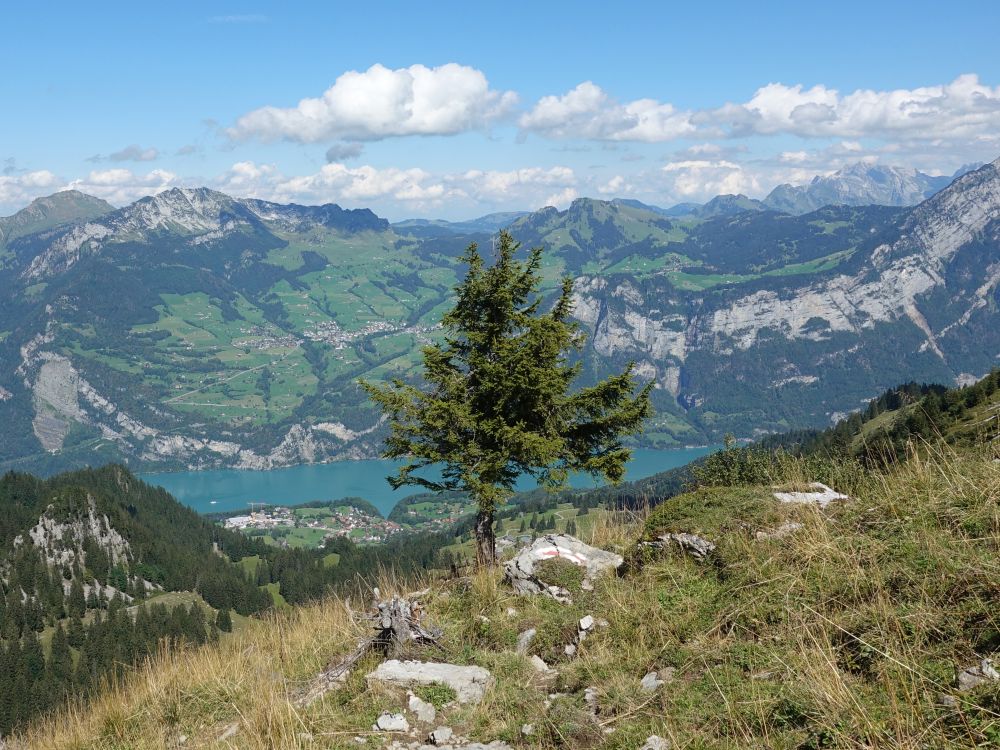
[
  {"x": 844, "y": 633},
  {"x": 891, "y": 423}
]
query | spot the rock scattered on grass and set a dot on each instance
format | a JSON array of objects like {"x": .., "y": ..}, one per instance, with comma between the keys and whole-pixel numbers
[
  {"x": 424, "y": 711},
  {"x": 441, "y": 736},
  {"x": 977, "y": 674},
  {"x": 651, "y": 683},
  {"x": 654, "y": 742},
  {"x": 388, "y": 722},
  {"x": 524, "y": 640},
  {"x": 818, "y": 494},
  {"x": 541, "y": 667},
  {"x": 692, "y": 545}
]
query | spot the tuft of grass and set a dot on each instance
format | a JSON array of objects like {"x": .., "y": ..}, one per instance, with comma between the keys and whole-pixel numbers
[
  {"x": 557, "y": 571},
  {"x": 436, "y": 694}
]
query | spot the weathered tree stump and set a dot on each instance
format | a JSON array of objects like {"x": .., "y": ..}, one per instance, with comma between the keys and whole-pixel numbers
[{"x": 397, "y": 626}]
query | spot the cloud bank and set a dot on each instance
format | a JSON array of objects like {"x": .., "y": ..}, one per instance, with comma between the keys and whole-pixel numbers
[{"x": 964, "y": 108}]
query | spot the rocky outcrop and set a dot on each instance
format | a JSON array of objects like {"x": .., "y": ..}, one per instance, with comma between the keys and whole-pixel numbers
[
  {"x": 62, "y": 397},
  {"x": 61, "y": 539}
]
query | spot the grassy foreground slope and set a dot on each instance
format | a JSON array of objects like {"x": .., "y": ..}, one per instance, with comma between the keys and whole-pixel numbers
[{"x": 846, "y": 633}]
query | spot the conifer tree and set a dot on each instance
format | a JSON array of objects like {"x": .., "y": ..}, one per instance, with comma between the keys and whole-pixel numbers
[
  {"x": 497, "y": 400},
  {"x": 223, "y": 621},
  {"x": 77, "y": 602}
]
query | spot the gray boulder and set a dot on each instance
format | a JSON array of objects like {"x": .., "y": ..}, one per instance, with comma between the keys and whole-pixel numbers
[
  {"x": 424, "y": 711},
  {"x": 441, "y": 736},
  {"x": 520, "y": 571},
  {"x": 650, "y": 683},
  {"x": 524, "y": 640}
]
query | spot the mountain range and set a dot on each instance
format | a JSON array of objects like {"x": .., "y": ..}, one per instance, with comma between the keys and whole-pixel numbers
[{"x": 193, "y": 329}]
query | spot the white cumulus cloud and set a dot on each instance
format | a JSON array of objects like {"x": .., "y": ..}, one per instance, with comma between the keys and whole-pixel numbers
[
  {"x": 703, "y": 178},
  {"x": 21, "y": 188},
  {"x": 382, "y": 103},
  {"x": 410, "y": 189},
  {"x": 120, "y": 186},
  {"x": 963, "y": 109},
  {"x": 588, "y": 111}
]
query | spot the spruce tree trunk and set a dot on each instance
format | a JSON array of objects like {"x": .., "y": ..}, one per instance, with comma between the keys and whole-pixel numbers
[{"x": 486, "y": 543}]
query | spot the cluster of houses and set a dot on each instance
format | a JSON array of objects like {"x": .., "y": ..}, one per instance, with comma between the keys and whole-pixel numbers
[
  {"x": 270, "y": 518},
  {"x": 357, "y": 524},
  {"x": 340, "y": 522}
]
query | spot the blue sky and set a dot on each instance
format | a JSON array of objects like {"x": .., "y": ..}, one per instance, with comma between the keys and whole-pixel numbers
[{"x": 455, "y": 109}]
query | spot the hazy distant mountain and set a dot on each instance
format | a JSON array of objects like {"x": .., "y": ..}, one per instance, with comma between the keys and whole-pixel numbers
[
  {"x": 727, "y": 205},
  {"x": 720, "y": 205},
  {"x": 680, "y": 209},
  {"x": 487, "y": 224},
  {"x": 52, "y": 211},
  {"x": 860, "y": 184}
]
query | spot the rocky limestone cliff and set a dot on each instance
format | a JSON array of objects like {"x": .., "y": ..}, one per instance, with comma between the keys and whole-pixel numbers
[
  {"x": 61, "y": 540},
  {"x": 889, "y": 286}
]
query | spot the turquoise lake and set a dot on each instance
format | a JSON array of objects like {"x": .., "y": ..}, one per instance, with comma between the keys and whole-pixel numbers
[{"x": 234, "y": 489}]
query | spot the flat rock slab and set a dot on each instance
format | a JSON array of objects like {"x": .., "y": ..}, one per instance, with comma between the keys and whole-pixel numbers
[
  {"x": 469, "y": 683},
  {"x": 520, "y": 572},
  {"x": 818, "y": 494}
]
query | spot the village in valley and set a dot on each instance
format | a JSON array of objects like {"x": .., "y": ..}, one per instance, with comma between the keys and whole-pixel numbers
[{"x": 314, "y": 525}]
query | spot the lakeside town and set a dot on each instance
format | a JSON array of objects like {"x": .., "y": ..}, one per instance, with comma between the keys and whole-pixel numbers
[{"x": 314, "y": 526}]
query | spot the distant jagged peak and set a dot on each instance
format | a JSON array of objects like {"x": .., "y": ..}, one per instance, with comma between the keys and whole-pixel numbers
[
  {"x": 195, "y": 210},
  {"x": 330, "y": 215},
  {"x": 861, "y": 183},
  {"x": 189, "y": 209}
]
